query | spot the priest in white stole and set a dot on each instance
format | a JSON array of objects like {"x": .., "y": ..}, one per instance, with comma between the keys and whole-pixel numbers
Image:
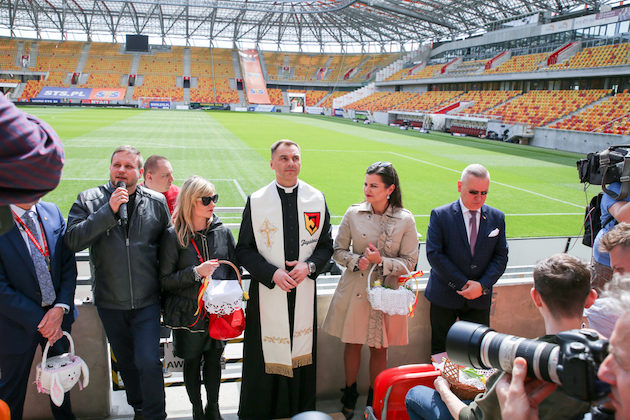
[{"x": 284, "y": 242}]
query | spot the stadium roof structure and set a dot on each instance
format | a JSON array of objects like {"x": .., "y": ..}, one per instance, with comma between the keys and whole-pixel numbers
[{"x": 301, "y": 22}]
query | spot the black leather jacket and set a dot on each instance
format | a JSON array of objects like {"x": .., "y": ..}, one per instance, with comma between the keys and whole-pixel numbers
[
  {"x": 125, "y": 263},
  {"x": 179, "y": 287}
]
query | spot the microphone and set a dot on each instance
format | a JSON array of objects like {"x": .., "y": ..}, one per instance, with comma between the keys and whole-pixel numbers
[{"x": 122, "y": 210}]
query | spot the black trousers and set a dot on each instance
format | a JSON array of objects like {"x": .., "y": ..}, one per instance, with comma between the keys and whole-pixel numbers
[{"x": 442, "y": 319}]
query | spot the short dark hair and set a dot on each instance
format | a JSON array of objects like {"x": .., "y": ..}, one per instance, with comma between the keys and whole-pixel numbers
[
  {"x": 618, "y": 236},
  {"x": 564, "y": 283},
  {"x": 389, "y": 176},
  {"x": 279, "y": 143},
  {"x": 128, "y": 149},
  {"x": 151, "y": 163}
]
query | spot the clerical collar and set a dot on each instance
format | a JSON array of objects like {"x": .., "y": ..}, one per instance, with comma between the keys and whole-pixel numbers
[{"x": 287, "y": 190}]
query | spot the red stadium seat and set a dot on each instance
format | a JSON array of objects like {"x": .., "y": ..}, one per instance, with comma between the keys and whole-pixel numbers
[{"x": 391, "y": 387}]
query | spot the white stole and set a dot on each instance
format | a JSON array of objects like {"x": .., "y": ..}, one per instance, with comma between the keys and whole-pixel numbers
[{"x": 267, "y": 224}]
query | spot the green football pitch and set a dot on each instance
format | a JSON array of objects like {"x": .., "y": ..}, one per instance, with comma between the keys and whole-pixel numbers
[{"x": 537, "y": 189}]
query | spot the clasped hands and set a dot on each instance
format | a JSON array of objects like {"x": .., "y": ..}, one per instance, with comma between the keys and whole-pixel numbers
[
  {"x": 370, "y": 255},
  {"x": 287, "y": 280},
  {"x": 471, "y": 290}
]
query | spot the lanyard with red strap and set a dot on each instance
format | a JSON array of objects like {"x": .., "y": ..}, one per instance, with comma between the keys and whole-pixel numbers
[
  {"x": 197, "y": 249},
  {"x": 30, "y": 235}
]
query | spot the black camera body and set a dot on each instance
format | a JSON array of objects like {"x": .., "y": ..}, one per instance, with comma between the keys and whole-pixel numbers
[
  {"x": 572, "y": 363},
  {"x": 605, "y": 167}
]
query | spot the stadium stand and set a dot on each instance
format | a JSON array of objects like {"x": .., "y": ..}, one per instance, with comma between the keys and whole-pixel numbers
[
  {"x": 599, "y": 116},
  {"x": 97, "y": 80},
  {"x": 605, "y": 55},
  {"x": 363, "y": 103},
  {"x": 430, "y": 100},
  {"x": 8, "y": 55},
  {"x": 541, "y": 107},
  {"x": 468, "y": 67},
  {"x": 169, "y": 63},
  {"x": 423, "y": 73},
  {"x": 203, "y": 92},
  {"x": 107, "y": 59},
  {"x": 159, "y": 87},
  {"x": 225, "y": 94},
  {"x": 328, "y": 102},
  {"x": 520, "y": 63},
  {"x": 57, "y": 56},
  {"x": 314, "y": 96},
  {"x": 486, "y": 99},
  {"x": 275, "y": 96}
]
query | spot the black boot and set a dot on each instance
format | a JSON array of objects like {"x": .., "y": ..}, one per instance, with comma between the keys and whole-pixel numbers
[
  {"x": 212, "y": 380},
  {"x": 192, "y": 381},
  {"x": 197, "y": 410},
  {"x": 212, "y": 412},
  {"x": 370, "y": 397},
  {"x": 349, "y": 400}
]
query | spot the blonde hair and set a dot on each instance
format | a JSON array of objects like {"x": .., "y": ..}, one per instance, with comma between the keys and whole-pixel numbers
[{"x": 194, "y": 188}]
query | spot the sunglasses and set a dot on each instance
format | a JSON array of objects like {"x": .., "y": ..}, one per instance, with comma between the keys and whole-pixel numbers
[
  {"x": 206, "y": 200},
  {"x": 475, "y": 192},
  {"x": 383, "y": 164}
]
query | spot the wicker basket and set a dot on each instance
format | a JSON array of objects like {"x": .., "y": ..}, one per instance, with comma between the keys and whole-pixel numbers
[{"x": 450, "y": 372}]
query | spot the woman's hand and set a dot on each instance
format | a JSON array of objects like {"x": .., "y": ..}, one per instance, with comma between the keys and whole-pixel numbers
[
  {"x": 363, "y": 264},
  {"x": 206, "y": 268},
  {"x": 373, "y": 255}
]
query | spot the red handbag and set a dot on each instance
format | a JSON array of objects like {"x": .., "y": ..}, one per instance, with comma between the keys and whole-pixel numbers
[{"x": 224, "y": 327}]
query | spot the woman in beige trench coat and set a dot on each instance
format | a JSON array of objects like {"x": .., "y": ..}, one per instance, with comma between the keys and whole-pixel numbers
[{"x": 376, "y": 231}]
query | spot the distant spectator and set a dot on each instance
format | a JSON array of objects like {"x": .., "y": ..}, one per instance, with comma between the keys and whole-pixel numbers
[{"x": 158, "y": 176}]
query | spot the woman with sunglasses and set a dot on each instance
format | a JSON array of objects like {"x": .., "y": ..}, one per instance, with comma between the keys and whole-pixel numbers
[
  {"x": 189, "y": 252},
  {"x": 374, "y": 232}
]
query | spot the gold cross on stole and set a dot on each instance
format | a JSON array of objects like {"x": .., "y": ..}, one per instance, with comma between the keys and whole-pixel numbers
[{"x": 268, "y": 229}]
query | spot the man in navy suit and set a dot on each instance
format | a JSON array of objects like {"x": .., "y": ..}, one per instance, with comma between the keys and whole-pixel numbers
[
  {"x": 37, "y": 281},
  {"x": 468, "y": 252}
]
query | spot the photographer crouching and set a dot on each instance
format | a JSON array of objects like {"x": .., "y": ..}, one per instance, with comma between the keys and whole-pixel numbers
[{"x": 519, "y": 399}]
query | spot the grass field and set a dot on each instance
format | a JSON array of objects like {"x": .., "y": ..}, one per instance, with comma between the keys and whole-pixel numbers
[{"x": 537, "y": 189}]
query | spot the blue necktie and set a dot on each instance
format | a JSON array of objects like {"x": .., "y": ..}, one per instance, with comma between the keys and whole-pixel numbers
[{"x": 41, "y": 266}]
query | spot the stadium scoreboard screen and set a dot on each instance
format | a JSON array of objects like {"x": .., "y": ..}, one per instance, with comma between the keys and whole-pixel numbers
[{"x": 137, "y": 43}]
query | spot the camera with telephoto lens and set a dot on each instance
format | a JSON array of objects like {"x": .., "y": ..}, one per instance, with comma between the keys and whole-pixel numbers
[{"x": 572, "y": 363}]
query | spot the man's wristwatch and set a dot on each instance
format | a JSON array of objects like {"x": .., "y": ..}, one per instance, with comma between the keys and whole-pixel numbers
[
  {"x": 485, "y": 291},
  {"x": 311, "y": 267}
]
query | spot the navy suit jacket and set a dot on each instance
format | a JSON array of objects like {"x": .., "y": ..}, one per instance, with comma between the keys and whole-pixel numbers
[
  {"x": 452, "y": 263},
  {"x": 20, "y": 297}
]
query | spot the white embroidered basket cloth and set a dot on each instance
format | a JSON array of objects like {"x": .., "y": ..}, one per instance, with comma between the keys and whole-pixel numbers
[
  {"x": 223, "y": 297},
  {"x": 390, "y": 301}
]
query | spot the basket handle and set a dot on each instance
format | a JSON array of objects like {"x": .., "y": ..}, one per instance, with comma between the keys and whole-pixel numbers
[
  {"x": 238, "y": 273},
  {"x": 45, "y": 353},
  {"x": 374, "y": 266}
]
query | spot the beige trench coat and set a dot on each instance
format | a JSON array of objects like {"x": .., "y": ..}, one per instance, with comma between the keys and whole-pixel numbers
[{"x": 350, "y": 316}]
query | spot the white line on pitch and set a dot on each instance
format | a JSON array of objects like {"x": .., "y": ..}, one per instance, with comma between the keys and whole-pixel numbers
[
  {"x": 507, "y": 214},
  {"x": 240, "y": 190},
  {"x": 494, "y": 182}
]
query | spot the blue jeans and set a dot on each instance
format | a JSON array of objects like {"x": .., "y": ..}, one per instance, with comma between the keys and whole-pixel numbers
[
  {"x": 135, "y": 339},
  {"x": 424, "y": 403}
]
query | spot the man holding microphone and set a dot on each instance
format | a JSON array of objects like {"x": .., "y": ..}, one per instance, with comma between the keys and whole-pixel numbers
[{"x": 122, "y": 223}]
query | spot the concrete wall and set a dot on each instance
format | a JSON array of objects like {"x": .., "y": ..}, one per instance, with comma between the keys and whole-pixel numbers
[
  {"x": 93, "y": 402},
  {"x": 512, "y": 312},
  {"x": 575, "y": 141}
]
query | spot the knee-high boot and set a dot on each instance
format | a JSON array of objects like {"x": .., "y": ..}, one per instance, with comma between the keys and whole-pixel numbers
[
  {"x": 192, "y": 381},
  {"x": 212, "y": 380}
]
